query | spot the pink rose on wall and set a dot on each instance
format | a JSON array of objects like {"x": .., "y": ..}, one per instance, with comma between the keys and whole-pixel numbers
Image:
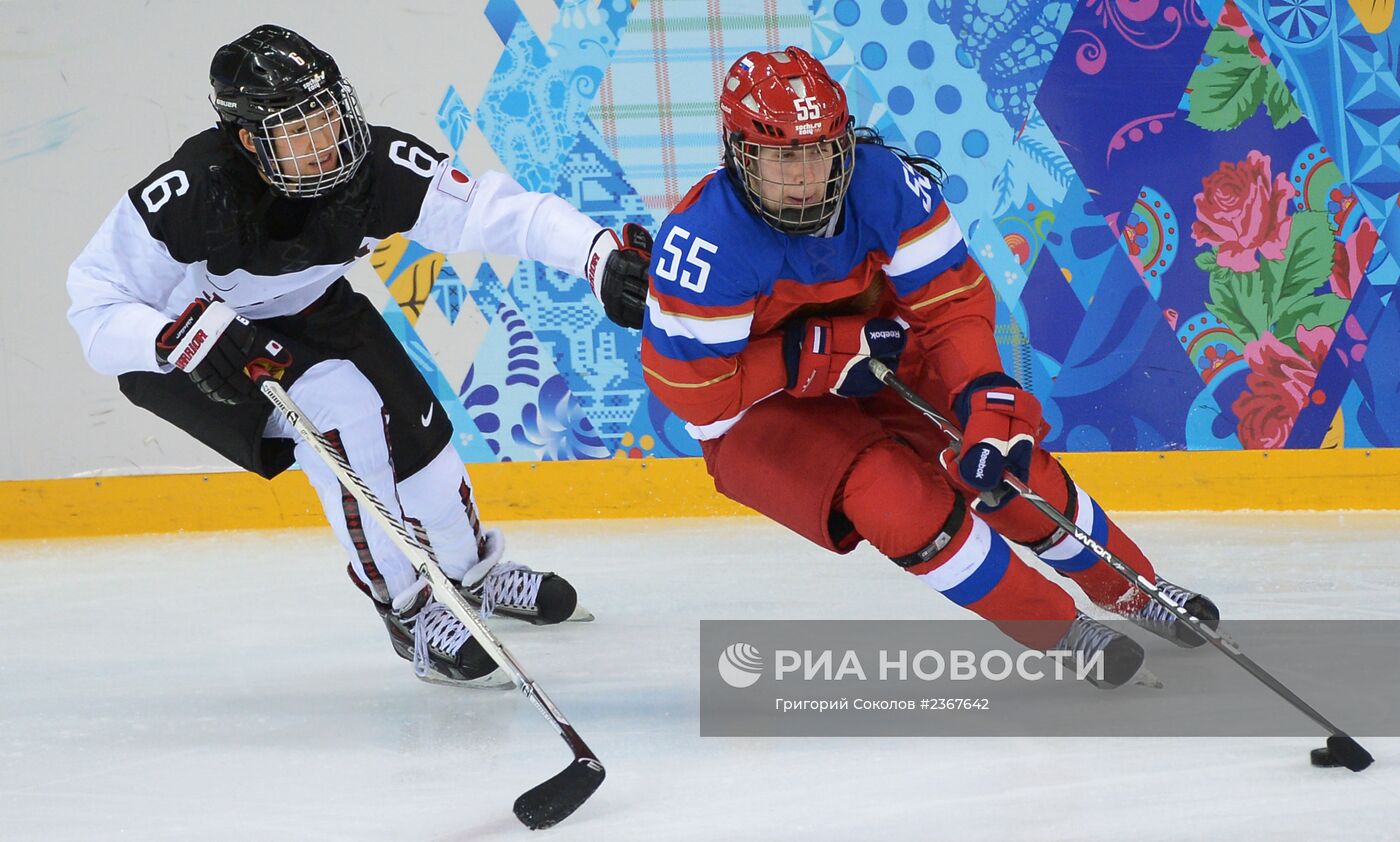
[
  {"x": 1279, "y": 383},
  {"x": 1350, "y": 259},
  {"x": 1243, "y": 209}
]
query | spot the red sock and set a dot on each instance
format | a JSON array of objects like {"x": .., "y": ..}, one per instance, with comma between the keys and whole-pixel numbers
[{"x": 1105, "y": 586}]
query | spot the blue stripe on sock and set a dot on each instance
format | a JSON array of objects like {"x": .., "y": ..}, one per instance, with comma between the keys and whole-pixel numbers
[
  {"x": 987, "y": 575},
  {"x": 1085, "y": 558}
]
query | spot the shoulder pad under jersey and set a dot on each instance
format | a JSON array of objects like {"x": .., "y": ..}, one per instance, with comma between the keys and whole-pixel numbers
[
  {"x": 712, "y": 249},
  {"x": 401, "y": 168},
  {"x": 179, "y": 200}
]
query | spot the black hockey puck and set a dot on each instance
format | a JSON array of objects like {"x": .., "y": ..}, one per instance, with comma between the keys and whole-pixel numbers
[{"x": 1323, "y": 757}]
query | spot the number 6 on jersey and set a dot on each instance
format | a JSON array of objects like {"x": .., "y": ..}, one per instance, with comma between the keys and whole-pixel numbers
[{"x": 669, "y": 268}]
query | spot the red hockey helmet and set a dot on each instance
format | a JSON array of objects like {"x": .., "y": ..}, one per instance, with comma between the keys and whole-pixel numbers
[{"x": 789, "y": 144}]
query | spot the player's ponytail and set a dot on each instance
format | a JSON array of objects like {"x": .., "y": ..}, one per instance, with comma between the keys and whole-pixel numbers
[{"x": 922, "y": 163}]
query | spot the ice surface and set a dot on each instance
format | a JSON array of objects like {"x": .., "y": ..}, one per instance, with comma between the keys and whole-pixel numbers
[{"x": 236, "y": 686}]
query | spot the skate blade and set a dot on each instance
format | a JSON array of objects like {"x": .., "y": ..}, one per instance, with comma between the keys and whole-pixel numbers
[
  {"x": 1145, "y": 678},
  {"x": 496, "y": 679},
  {"x": 580, "y": 615}
]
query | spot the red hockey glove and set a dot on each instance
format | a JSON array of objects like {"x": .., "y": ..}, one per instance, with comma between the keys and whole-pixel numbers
[
  {"x": 833, "y": 354},
  {"x": 617, "y": 272},
  {"x": 214, "y": 346},
  {"x": 1002, "y": 425}
]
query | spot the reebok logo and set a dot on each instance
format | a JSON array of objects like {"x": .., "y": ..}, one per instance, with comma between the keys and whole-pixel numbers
[
  {"x": 982, "y": 463},
  {"x": 592, "y": 267},
  {"x": 884, "y": 334},
  {"x": 191, "y": 349}
]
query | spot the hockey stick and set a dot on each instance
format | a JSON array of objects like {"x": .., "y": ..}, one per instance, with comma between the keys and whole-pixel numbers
[
  {"x": 1343, "y": 749},
  {"x": 548, "y": 803}
]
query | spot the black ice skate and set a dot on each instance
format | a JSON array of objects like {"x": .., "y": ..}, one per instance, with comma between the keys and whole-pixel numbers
[
  {"x": 442, "y": 650},
  {"x": 514, "y": 590},
  {"x": 1164, "y": 623},
  {"x": 1122, "y": 656}
]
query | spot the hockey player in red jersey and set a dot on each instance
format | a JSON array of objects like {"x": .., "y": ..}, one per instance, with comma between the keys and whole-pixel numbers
[
  {"x": 232, "y": 254},
  {"x": 776, "y": 280}
]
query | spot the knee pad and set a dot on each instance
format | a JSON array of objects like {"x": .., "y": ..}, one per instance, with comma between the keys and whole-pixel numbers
[
  {"x": 892, "y": 497},
  {"x": 1071, "y": 508},
  {"x": 1063, "y": 551},
  {"x": 1051, "y": 542},
  {"x": 965, "y": 561},
  {"x": 1022, "y": 522},
  {"x": 334, "y": 395},
  {"x": 973, "y": 566}
]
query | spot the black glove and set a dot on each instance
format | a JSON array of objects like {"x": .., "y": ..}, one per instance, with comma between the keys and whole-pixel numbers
[
  {"x": 622, "y": 282},
  {"x": 215, "y": 346}
]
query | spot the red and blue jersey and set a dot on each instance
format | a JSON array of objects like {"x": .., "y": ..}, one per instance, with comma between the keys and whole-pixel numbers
[{"x": 724, "y": 282}]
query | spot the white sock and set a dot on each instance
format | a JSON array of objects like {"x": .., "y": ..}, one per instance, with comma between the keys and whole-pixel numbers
[{"x": 440, "y": 498}]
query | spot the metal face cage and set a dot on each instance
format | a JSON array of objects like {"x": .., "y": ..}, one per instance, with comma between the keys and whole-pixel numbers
[
  {"x": 797, "y": 189},
  {"x": 313, "y": 147}
]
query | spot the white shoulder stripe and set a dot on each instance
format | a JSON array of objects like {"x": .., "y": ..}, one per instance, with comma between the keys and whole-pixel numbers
[
  {"x": 708, "y": 331},
  {"x": 925, "y": 250}
]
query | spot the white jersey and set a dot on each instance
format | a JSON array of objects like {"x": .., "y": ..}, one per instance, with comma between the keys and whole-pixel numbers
[{"x": 204, "y": 224}]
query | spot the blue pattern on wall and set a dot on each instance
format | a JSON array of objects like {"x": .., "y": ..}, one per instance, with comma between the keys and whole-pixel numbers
[{"x": 1094, "y": 151}]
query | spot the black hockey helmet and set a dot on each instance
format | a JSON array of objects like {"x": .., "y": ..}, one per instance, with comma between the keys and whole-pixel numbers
[{"x": 309, "y": 133}]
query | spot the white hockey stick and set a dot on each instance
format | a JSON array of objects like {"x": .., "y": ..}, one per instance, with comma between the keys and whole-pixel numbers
[{"x": 548, "y": 803}]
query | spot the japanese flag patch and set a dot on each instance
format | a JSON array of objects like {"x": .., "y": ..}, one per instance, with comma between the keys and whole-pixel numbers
[{"x": 456, "y": 183}]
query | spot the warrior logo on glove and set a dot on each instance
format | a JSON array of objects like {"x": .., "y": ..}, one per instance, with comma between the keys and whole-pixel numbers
[
  {"x": 215, "y": 346},
  {"x": 617, "y": 272}
]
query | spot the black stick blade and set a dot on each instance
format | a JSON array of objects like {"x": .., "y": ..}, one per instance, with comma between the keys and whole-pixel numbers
[
  {"x": 1348, "y": 752},
  {"x": 554, "y": 800}
]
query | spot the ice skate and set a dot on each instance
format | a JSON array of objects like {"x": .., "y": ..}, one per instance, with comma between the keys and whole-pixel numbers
[
  {"x": 1163, "y": 623},
  {"x": 442, "y": 650},
  {"x": 1122, "y": 656},
  {"x": 514, "y": 590}
]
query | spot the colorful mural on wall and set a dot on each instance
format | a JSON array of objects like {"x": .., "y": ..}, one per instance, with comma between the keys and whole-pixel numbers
[{"x": 1187, "y": 208}]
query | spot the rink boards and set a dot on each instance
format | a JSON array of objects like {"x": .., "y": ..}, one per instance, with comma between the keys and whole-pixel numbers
[{"x": 1312, "y": 480}]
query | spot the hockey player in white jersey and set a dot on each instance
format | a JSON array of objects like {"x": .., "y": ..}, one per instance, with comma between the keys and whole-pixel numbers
[{"x": 232, "y": 254}]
